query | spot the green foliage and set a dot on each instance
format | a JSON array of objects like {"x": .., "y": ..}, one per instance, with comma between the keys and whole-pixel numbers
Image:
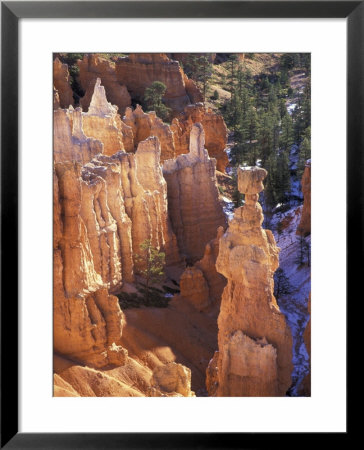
[
  {"x": 303, "y": 256},
  {"x": 270, "y": 195},
  {"x": 286, "y": 138},
  {"x": 237, "y": 197},
  {"x": 151, "y": 264},
  {"x": 287, "y": 61},
  {"x": 282, "y": 180},
  {"x": 302, "y": 113},
  {"x": 305, "y": 152},
  {"x": 199, "y": 68},
  {"x": 152, "y": 260},
  {"x": 153, "y": 98},
  {"x": 71, "y": 60},
  {"x": 282, "y": 286},
  {"x": 216, "y": 95},
  {"x": 263, "y": 129}
]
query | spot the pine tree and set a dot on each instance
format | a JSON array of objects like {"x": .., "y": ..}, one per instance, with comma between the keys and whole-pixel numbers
[
  {"x": 199, "y": 68},
  {"x": 153, "y": 98},
  {"x": 269, "y": 193},
  {"x": 282, "y": 108},
  {"x": 286, "y": 138},
  {"x": 305, "y": 152},
  {"x": 232, "y": 67},
  {"x": 237, "y": 196},
  {"x": 287, "y": 61},
  {"x": 152, "y": 262},
  {"x": 302, "y": 113},
  {"x": 252, "y": 124},
  {"x": 266, "y": 136},
  {"x": 204, "y": 69},
  {"x": 304, "y": 252},
  {"x": 282, "y": 286},
  {"x": 282, "y": 178}
]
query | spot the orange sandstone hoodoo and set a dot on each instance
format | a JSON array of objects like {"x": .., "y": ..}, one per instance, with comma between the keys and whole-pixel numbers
[
  {"x": 193, "y": 198},
  {"x": 254, "y": 340}
]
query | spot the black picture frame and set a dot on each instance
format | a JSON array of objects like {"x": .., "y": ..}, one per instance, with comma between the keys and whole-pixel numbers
[{"x": 11, "y": 12}]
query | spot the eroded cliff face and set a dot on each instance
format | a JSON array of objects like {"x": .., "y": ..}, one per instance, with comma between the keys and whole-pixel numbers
[
  {"x": 135, "y": 73},
  {"x": 132, "y": 379},
  {"x": 103, "y": 122},
  {"x": 201, "y": 285},
  {"x": 255, "y": 344},
  {"x": 109, "y": 197},
  {"x": 139, "y": 70},
  {"x": 144, "y": 125},
  {"x": 128, "y": 77},
  {"x": 102, "y": 213},
  {"x": 61, "y": 82},
  {"x": 92, "y": 67},
  {"x": 175, "y": 139},
  {"x": 87, "y": 320},
  {"x": 304, "y": 227},
  {"x": 305, "y": 388},
  {"x": 215, "y": 132},
  {"x": 79, "y": 136},
  {"x": 193, "y": 200},
  {"x": 69, "y": 140}
]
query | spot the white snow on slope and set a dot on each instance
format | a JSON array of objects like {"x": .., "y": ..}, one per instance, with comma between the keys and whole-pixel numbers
[{"x": 294, "y": 304}]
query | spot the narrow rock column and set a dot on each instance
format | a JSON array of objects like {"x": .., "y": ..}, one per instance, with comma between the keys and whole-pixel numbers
[
  {"x": 255, "y": 343},
  {"x": 193, "y": 197},
  {"x": 304, "y": 227}
]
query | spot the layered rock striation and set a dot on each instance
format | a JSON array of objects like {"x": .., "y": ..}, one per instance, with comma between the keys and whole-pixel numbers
[
  {"x": 255, "y": 343},
  {"x": 193, "y": 199}
]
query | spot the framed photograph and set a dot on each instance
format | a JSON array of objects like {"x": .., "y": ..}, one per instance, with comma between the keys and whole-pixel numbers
[{"x": 157, "y": 221}]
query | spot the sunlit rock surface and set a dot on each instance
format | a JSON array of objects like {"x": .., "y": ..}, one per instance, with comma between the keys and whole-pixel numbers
[
  {"x": 254, "y": 341},
  {"x": 61, "y": 81},
  {"x": 193, "y": 202}
]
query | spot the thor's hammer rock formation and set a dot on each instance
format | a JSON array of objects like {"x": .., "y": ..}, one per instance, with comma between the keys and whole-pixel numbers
[{"x": 255, "y": 343}]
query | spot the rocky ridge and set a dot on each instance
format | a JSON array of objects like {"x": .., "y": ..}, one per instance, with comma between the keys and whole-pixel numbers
[
  {"x": 105, "y": 206},
  {"x": 128, "y": 77}
]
